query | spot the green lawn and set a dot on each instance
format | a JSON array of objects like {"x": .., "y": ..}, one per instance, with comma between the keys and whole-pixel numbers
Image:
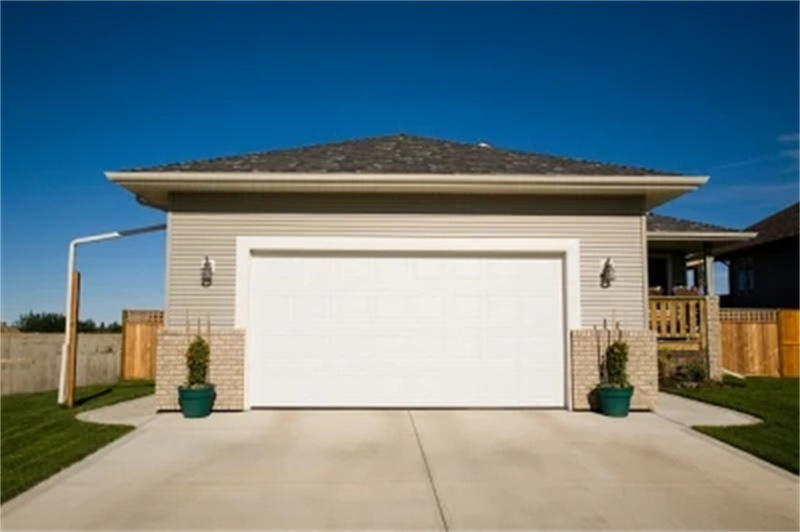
[
  {"x": 775, "y": 400},
  {"x": 38, "y": 438}
]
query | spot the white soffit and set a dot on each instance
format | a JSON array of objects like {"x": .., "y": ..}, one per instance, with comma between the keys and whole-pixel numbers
[{"x": 154, "y": 187}]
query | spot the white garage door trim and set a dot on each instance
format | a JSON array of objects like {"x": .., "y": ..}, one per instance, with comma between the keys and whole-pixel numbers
[{"x": 569, "y": 249}]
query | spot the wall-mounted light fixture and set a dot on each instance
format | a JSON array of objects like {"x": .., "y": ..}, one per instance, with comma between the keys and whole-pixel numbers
[
  {"x": 206, "y": 272},
  {"x": 607, "y": 273}
]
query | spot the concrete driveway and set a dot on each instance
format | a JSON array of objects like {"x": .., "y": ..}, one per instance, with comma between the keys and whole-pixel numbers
[{"x": 394, "y": 469}]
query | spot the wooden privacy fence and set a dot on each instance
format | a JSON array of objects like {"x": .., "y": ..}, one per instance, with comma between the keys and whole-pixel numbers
[
  {"x": 761, "y": 342},
  {"x": 789, "y": 342},
  {"x": 679, "y": 321},
  {"x": 139, "y": 342}
]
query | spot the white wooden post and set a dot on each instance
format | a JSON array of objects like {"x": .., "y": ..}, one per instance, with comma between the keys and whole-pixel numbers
[{"x": 708, "y": 269}]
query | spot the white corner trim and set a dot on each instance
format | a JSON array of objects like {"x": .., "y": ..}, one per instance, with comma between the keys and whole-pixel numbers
[{"x": 569, "y": 248}]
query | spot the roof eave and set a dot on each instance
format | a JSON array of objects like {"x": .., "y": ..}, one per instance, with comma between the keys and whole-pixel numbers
[
  {"x": 748, "y": 247},
  {"x": 699, "y": 236},
  {"x": 154, "y": 187}
]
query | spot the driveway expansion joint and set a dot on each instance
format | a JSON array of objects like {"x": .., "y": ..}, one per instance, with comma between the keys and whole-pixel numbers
[{"x": 428, "y": 471}]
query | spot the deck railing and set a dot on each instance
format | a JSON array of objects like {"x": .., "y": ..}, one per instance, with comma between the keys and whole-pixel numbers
[{"x": 679, "y": 321}]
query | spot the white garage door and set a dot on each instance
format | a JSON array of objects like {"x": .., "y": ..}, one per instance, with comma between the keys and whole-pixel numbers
[{"x": 397, "y": 330}]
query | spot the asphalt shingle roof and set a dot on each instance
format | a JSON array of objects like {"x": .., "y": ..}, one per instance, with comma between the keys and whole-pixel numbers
[
  {"x": 661, "y": 224},
  {"x": 783, "y": 224},
  {"x": 402, "y": 154}
]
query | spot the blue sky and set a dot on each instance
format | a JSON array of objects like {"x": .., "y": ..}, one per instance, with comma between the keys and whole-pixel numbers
[{"x": 700, "y": 88}]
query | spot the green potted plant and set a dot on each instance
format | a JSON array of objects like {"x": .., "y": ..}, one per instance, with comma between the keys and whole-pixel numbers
[
  {"x": 196, "y": 397},
  {"x": 615, "y": 391}
]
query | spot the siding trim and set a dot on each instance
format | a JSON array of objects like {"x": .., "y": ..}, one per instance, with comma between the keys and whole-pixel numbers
[{"x": 168, "y": 259}]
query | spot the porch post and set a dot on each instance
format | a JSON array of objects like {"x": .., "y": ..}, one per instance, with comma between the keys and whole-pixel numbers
[{"x": 708, "y": 269}]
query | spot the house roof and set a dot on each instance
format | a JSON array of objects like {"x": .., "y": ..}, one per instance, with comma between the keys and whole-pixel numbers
[
  {"x": 668, "y": 232},
  {"x": 403, "y": 154},
  {"x": 783, "y": 224},
  {"x": 657, "y": 223}
]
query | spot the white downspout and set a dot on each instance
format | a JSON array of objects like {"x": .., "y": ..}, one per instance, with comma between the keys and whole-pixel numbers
[{"x": 62, "y": 381}]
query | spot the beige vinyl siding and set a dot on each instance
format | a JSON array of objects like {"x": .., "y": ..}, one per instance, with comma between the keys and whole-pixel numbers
[{"x": 208, "y": 224}]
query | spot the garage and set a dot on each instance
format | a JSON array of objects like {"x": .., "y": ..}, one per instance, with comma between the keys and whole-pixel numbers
[
  {"x": 386, "y": 327},
  {"x": 404, "y": 271}
]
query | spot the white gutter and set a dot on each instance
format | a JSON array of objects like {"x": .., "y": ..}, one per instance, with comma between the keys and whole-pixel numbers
[
  {"x": 155, "y": 187},
  {"x": 709, "y": 236},
  {"x": 426, "y": 179},
  {"x": 62, "y": 382}
]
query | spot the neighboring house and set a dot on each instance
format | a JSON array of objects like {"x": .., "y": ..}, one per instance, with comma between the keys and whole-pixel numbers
[
  {"x": 763, "y": 272},
  {"x": 681, "y": 254},
  {"x": 402, "y": 271},
  {"x": 683, "y": 309}
]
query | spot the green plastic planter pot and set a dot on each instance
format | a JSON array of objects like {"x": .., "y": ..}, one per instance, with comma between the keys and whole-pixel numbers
[
  {"x": 615, "y": 402},
  {"x": 196, "y": 402}
]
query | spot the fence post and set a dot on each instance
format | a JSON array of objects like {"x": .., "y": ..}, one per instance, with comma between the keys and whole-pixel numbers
[
  {"x": 72, "y": 350},
  {"x": 781, "y": 354},
  {"x": 788, "y": 342},
  {"x": 122, "y": 346}
]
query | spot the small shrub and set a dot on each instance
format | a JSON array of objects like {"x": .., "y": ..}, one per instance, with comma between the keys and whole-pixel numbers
[
  {"x": 696, "y": 372},
  {"x": 197, "y": 357},
  {"x": 616, "y": 364},
  {"x": 663, "y": 364}
]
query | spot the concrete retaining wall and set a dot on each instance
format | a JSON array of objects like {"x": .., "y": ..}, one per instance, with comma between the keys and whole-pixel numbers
[{"x": 30, "y": 362}]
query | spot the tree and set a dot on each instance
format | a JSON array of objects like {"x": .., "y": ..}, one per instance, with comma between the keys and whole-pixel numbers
[
  {"x": 49, "y": 322},
  {"x": 87, "y": 326},
  {"x": 42, "y": 322}
]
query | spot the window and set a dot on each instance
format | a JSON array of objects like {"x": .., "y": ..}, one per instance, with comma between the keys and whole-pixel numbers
[{"x": 745, "y": 276}]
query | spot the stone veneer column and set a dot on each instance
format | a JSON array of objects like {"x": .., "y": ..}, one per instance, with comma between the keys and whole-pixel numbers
[
  {"x": 713, "y": 338},
  {"x": 226, "y": 367},
  {"x": 587, "y": 348}
]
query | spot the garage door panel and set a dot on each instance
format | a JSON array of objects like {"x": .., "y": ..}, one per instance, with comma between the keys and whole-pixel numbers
[
  {"x": 370, "y": 389},
  {"x": 311, "y": 307},
  {"x": 405, "y": 331},
  {"x": 390, "y": 306}
]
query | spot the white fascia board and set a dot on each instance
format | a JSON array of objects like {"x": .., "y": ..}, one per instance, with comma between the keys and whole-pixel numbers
[
  {"x": 711, "y": 236},
  {"x": 154, "y": 186},
  {"x": 254, "y": 178}
]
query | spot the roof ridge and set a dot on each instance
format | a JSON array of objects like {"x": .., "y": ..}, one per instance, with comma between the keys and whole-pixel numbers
[
  {"x": 403, "y": 153},
  {"x": 516, "y": 151}
]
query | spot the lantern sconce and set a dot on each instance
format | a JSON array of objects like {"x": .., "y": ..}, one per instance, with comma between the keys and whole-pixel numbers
[
  {"x": 207, "y": 272},
  {"x": 607, "y": 273}
]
